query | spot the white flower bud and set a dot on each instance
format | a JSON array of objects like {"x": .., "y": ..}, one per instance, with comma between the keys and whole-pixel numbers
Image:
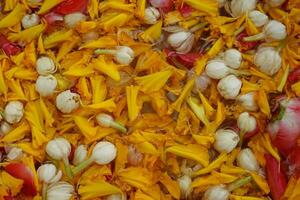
[
  {"x": 116, "y": 197},
  {"x": 217, "y": 69},
  {"x": 46, "y": 85},
  {"x": 13, "y": 112},
  {"x": 233, "y": 58},
  {"x": 45, "y": 66},
  {"x": 218, "y": 192},
  {"x": 241, "y": 7},
  {"x": 67, "y": 101},
  {"x": 229, "y": 87},
  {"x": 104, "y": 120},
  {"x": 14, "y": 153},
  {"x": 185, "y": 183},
  {"x": 246, "y": 122},
  {"x": 268, "y": 60},
  {"x": 226, "y": 140},
  {"x": 258, "y": 18},
  {"x": 73, "y": 18},
  {"x": 134, "y": 157},
  {"x": 48, "y": 173},
  {"x": 274, "y": 30},
  {"x": 275, "y": 3},
  {"x": 80, "y": 154},
  {"x": 151, "y": 15},
  {"x": 124, "y": 55},
  {"x": 182, "y": 41},
  {"x": 30, "y": 20},
  {"x": 90, "y": 36},
  {"x": 247, "y": 160},
  {"x": 5, "y": 128},
  {"x": 201, "y": 83},
  {"x": 60, "y": 190},
  {"x": 104, "y": 152},
  {"x": 247, "y": 101},
  {"x": 58, "y": 148}
]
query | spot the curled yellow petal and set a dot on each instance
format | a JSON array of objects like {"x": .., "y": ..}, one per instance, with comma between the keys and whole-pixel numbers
[
  {"x": 99, "y": 89},
  {"x": 49, "y": 119},
  {"x": 262, "y": 101},
  {"x": 209, "y": 110},
  {"x": 97, "y": 188},
  {"x": 204, "y": 140},
  {"x": 57, "y": 37},
  {"x": 171, "y": 185},
  {"x": 79, "y": 71},
  {"x": 213, "y": 165},
  {"x": 133, "y": 108},
  {"x": 107, "y": 67},
  {"x": 102, "y": 42},
  {"x": 191, "y": 151},
  {"x": 108, "y": 105},
  {"x": 198, "y": 110},
  {"x": 28, "y": 34},
  {"x": 140, "y": 10},
  {"x": 93, "y": 9},
  {"x": 236, "y": 197},
  {"x": 210, "y": 7},
  {"x": 110, "y": 21},
  {"x": 86, "y": 128},
  {"x": 216, "y": 48},
  {"x": 261, "y": 182},
  {"x": 66, "y": 47},
  {"x": 11, "y": 183},
  {"x": 13, "y": 17},
  {"x": 48, "y": 4},
  {"x": 152, "y": 33},
  {"x": 153, "y": 82},
  {"x": 215, "y": 178},
  {"x": 137, "y": 177},
  {"x": 17, "y": 133}
]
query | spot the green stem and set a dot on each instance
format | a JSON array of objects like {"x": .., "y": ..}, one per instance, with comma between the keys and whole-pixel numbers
[
  {"x": 242, "y": 134},
  {"x": 104, "y": 51},
  {"x": 239, "y": 183},
  {"x": 198, "y": 27},
  {"x": 256, "y": 37},
  {"x": 118, "y": 126},
  {"x": 83, "y": 165},
  {"x": 68, "y": 168},
  {"x": 44, "y": 191}
]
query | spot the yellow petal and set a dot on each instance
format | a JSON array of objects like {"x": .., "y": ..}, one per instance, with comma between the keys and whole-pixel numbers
[
  {"x": 257, "y": 73},
  {"x": 57, "y": 37},
  {"x": 283, "y": 79},
  {"x": 153, "y": 33},
  {"x": 41, "y": 48},
  {"x": 86, "y": 128},
  {"x": 106, "y": 5},
  {"x": 215, "y": 178},
  {"x": 216, "y": 48},
  {"x": 93, "y": 8},
  {"x": 261, "y": 182},
  {"x": 106, "y": 67},
  {"x": 133, "y": 108},
  {"x": 79, "y": 71},
  {"x": 192, "y": 151},
  {"x": 107, "y": 105},
  {"x": 14, "y": 185},
  {"x": 121, "y": 158},
  {"x": 34, "y": 115},
  {"x": 210, "y": 7},
  {"x": 99, "y": 89},
  {"x": 198, "y": 110},
  {"x": 28, "y": 34},
  {"x": 263, "y": 103},
  {"x": 139, "y": 195},
  {"x": 183, "y": 95},
  {"x": 250, "y": 27},
  {"x": 204, "y": 140},
  {"x": 102, "y": 42},
  {"x": 209, "y": 110},
  {"x": 236, "y": 197},
  {"x": 9, "y": 5},
  {"x": 97, "y": 188},
  {"x": 220, "y": 117},
  {"x": 13, "y": 17},
  {"x": 27, "y": 148},
  {"x": 140, "y": 10},
  {"x": 17, "y": 133},
  {"x": 153, "y": 82},
  {"x": 136, "y": 176},
  {"x": 47, "y": 5},
  {"x": 3, "y": 86},
  {"x": 83, "y": 88},
  {"x": 86, "y": 26},
  {"x": 213, "y": 165},
  {"x": 110, "y": 21},
  {"x": 171, "y": 185},
  {"x": 17, "y": 90},
  {"x": 49, "y": 119},
  {"x": 249, "y": 87},
  {"x": 66, "y": 47},
  {"x": 232, "y": 170},
  {"x": 38, "y": 138}
]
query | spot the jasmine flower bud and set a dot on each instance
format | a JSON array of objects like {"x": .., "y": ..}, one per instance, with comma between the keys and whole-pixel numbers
[
  {"x": 247, "y": 101},
  {"x": 275, "y": 3},
  {"x": 106, "y": 120},
  {"x": 13, "y": 112},
  {"x": 226, "y": 140},
  {"x": 14, "y": 153},
  {"x": 229, "y": 87},
  {"x": 30, "y": 20},
  {"x": 241, "y": 7},
  {"x": 5, "y": 128},
  {"x": 258, "y": 18},
  {"x": 74, "y": 18},
  {"x": 45, "y": 85},
  {"x": 151, "y": 15},
  {"x": 45, "y": 66},
  {"x": 247, "y": 160},
  {"x": 185, "y": 183},
  {"x": 80, "y": 154},
  {"x": 60, "y": 190},
  {"x": 67, "y": 101},
  {"x": 182, "y": 41},
  {"x": 246, "y": 122},
  {"x": 268, "y": 60},
  {"x": 48, "y": 173},
  {"x": 233, "y": 58},
  {"x": 217, "y": 69},
  {"x": 124, "y": 55},
  {"x": 218, "y": 192}
]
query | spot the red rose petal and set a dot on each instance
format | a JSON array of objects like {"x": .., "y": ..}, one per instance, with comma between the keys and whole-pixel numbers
[{"x": 71, "y": 6}]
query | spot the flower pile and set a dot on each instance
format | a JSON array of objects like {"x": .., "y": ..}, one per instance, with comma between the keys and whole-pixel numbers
[{"x": 150, "y": 99}]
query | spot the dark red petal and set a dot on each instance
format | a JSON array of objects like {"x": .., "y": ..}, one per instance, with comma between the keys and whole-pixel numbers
[
  {"x": 161, "y": 3},
  {"x": 71, "y": 6},
  {"x": 275, "y": 177},
  {"x": 52, "y": 18},
  {"x": 294, "y": 76},
  {"x": 185, "y": 10},
  {"x": 187, "y": 60},
  {"x": 293, "y": 160},
  {"x": 245, "y": 46},
  {"x": 21, "y": 171},
  {"x": 251, "y": 133},
  {"x": 8, "y": 47}
]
